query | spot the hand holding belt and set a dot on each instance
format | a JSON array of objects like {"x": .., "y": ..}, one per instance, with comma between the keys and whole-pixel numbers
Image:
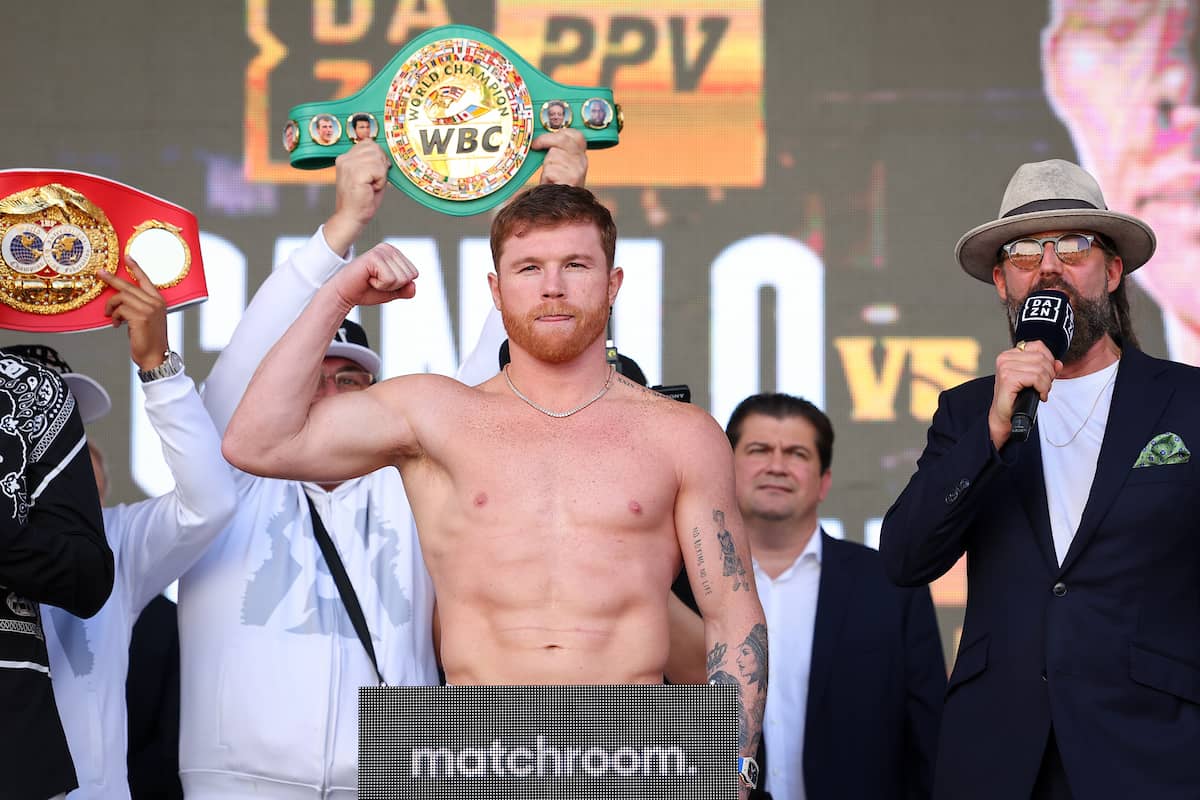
[
  {"x": 459, "y": 110},
  {"x": 59, "y": 228}
]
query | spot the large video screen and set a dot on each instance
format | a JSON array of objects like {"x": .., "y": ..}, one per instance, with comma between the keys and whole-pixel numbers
[{"x": 789, "y": 185}]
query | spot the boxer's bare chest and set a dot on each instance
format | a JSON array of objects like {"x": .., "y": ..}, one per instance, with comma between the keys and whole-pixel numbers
[{"x": 509, "y": 469}]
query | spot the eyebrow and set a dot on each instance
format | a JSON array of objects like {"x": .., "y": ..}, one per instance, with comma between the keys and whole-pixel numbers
[
  {"x": 537, "y": 259},
  {"x": 786, "y": 447}
]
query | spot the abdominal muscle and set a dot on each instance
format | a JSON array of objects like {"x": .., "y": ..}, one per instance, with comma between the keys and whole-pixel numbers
[
  {"x": 507, "y": 649},
  {"x": 557, "y": 612}
]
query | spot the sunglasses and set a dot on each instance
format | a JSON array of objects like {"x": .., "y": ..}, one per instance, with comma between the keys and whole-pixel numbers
[{"x": 1071, "y": 248}]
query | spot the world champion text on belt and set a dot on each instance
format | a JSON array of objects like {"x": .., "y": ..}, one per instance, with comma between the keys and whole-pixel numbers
[
  {"x": 459, "y": 111},
  {"x": 59, "y": 228}
]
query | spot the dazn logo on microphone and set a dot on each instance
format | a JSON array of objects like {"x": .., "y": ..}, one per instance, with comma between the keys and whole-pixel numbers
[{"x": 1049, "y": 308}]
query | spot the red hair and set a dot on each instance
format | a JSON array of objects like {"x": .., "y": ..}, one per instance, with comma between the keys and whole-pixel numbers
[{"x": 550, "y": 205}]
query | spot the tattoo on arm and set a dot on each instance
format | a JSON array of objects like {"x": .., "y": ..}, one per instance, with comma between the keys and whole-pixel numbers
[
  {"x": 722, "y": 678},
  {"x": 752, "y": 658},
  {"x": 705, "y": 583},
  {"x": 732, "y": 565},
  {"x": 716, "y": 657}
]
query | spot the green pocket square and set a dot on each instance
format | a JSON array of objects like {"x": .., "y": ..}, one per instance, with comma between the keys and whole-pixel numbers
[{"x": 1166, "y": 448}]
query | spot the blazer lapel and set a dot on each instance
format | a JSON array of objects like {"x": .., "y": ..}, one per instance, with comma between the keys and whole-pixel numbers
[
  {"x": 1031, "y": 488},
  {"x": 832, "y": 598},
  {"x": 1137, "y": 405}
]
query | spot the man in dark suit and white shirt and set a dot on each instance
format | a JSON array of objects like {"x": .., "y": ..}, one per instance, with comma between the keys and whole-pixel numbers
[
  {"x": 857, "y": 672},
  {"x": 1079, "y": 669}
]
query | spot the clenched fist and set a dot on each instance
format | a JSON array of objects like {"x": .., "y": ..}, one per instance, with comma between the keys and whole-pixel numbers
[
  {"x": 360, "y": 184},
  {"x": 1027, "y": 364},
  {"x": 378, "y": 276},
  {"x": 566, "y": 157}
]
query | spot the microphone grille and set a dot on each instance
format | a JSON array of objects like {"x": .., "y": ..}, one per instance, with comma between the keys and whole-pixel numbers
[{"x": 1046, "y": 316}]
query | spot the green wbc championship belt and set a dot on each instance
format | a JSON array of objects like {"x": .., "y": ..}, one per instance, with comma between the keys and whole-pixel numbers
[{"x": 459, "y": 109}]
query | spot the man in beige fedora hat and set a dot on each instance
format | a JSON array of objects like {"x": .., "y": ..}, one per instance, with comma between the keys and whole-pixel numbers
[{"x": 1078, "y": 672}]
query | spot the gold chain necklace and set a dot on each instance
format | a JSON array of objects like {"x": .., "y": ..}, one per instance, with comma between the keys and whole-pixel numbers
[
  {"x": 1086, "y": 420},
  {"x": 560, "y": 414}
]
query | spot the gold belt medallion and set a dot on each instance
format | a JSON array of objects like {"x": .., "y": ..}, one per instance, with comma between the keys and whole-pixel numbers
[
  {"x": 54, "y": 242},
  {"x": 458, "y": 119}
]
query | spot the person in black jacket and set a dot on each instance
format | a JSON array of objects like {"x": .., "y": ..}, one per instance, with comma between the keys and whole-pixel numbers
[
  {"x": 1078, "y": 670},
  {"x": 857, "y": 672},
  {"x": 52, "y": 550},
  {"x": 152, "y": 699}
]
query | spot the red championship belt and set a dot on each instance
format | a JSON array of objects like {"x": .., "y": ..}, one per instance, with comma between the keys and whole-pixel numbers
[{"x": 59, "y": 228}]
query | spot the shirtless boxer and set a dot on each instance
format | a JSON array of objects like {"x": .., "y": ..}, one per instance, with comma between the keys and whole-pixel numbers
[{"x": 554, "y": 501}]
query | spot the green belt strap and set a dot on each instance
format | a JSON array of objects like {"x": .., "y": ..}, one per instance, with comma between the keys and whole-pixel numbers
[{"x": 457, "y": 110}]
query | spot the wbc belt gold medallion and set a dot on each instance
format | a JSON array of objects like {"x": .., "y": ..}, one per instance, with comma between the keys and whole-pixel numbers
[
  {"x": 54, "y": 240},
  {"x": 458, "y": 119},
  {"x": 460, "y": 110}
]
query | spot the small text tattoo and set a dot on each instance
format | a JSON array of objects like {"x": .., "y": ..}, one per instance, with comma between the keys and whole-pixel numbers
[
  {"x": 732, "y": 565},
  {"x": 635, "y": 385},
  {"x": 705, "y": 583}
]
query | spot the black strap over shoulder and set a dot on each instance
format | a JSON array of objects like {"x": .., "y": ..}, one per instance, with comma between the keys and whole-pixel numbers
[{"x": 344, "y": 587}]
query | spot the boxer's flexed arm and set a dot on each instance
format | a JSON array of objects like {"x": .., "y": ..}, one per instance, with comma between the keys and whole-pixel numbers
[
  {"x": 716, "y": 554},
  {"x": 278, "y": 431}
]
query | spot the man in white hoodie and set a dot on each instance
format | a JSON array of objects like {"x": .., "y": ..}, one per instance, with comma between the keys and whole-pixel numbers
[
  {"x": 271, "y": 665},
  {"x": 153, "y": 541}
]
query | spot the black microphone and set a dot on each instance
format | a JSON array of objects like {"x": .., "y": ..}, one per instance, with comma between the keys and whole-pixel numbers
[{"x": 1046, "y": 317}]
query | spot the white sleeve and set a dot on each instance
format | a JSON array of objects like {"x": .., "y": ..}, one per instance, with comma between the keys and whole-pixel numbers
[
  {"x": 484, "y": 361},
  {"x": 276, "y": 304},
  {"x": 161, "y": 537}
]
